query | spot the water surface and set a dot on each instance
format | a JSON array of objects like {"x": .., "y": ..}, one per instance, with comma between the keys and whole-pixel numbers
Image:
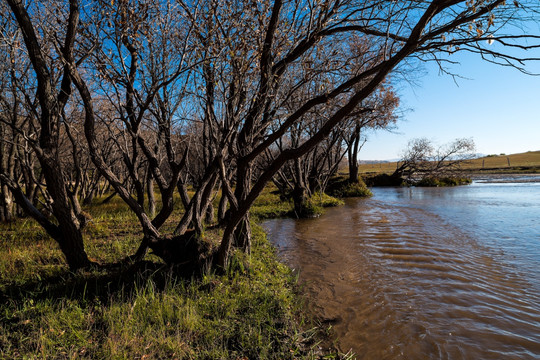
[{"x": 425, "y": 273}]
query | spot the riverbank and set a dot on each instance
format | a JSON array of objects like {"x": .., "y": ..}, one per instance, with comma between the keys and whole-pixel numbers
[
  {"x": 144, "y": 311},
  {"x": 528, "y": 162}
]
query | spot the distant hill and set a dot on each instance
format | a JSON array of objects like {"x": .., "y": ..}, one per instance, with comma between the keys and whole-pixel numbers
[
  {"x": 522, "y": 160},
  {"x": 376, "y": 161},
  {"x": 528, "y": 161}
]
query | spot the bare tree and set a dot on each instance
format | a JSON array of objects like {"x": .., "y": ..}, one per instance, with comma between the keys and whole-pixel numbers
[
  {"x": 421, "y": 159},
  {"x": 44, "y": 49},
  {"x": 379, "y": 112},
  {"x": 248, "y": 59},
  {"x": 143, "y": 60},
  {"x": 399, "y": 31}
]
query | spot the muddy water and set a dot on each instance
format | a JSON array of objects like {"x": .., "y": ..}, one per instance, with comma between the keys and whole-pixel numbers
[{"x": 425, "y": 273}]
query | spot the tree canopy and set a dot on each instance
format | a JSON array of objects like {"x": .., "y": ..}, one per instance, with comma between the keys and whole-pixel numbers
[{"x": 216, "y": 95}]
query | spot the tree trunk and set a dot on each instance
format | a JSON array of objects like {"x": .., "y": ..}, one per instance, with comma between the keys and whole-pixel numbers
[
  {"x": 151, "y": 196},
  {"x": 67, "y": 233},
  {"x": 89, "y": 197},
  {"x": 184, "y": 196},
  {"x": 6, "y": 204},
  {"x": 299, "y": 200},
  {"x": 192, "y": 213},
  {"x": 353, "y": 172},
  {"x": 222, "y": 207},
  {"x": 209, "y": 216},
  {"x": 242, "y": 233},
  {"x": 299, "y": 192},
  {"x": 70, "y": 238},
  {"x": 206, "y": 203},
  {"x": 93, "y": 188},
  {"x": 7, "y": 166},
  {"x": 353, "y": 157}
]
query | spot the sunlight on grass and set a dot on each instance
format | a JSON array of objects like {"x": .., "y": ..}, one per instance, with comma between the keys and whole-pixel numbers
[{"x": 146, "y": 311}]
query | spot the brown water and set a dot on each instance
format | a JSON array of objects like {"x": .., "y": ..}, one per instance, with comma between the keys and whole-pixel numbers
[{"x": 425, "y": 273}]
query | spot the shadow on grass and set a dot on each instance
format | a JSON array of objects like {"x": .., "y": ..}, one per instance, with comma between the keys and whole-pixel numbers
[{"x": 102, "y": 284}]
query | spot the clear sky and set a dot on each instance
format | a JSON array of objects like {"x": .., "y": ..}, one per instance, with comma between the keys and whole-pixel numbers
[{"x": 499, "y": 107}]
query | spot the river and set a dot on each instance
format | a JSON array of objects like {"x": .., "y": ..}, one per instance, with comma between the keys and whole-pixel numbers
[{"x": 425, "y": 273}]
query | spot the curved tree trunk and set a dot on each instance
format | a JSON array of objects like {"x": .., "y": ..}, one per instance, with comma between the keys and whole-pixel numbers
[
  {"x": 68, "y": 231},
  {"x": 353, "y": 157},
  {"x": 70, "y": 237},
  {"x": 242, "y": 233},
  {"x": 151, "y": 196},
  {"x": 222, "y": 207}
]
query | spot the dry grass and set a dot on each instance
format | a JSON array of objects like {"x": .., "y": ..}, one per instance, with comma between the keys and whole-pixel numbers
[
  {"x": 502, "y": 162},
  {"x": 528, "y": 159}
]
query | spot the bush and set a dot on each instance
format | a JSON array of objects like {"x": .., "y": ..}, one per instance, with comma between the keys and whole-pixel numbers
[
  {"x": 355, "y": 190},
  {"x": 309, "y": 209},
  {"x": 384, "y": 180},
  {"x": 324, "y": 200},
  {"x": 341, "y": 187}
]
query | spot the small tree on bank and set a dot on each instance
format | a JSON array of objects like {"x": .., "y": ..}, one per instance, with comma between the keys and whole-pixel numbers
[{"x": 422, "y": 159}]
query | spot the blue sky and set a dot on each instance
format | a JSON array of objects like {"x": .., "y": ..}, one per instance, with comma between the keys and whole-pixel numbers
[{"x": 499, "y": 107}]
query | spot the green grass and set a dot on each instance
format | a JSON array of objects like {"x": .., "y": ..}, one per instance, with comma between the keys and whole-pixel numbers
[
  {"x": 324, "y": 200},
  {"x": 315, "y": 205},
  {"x": 443, "y": 181},
  {"x": 145, "y": 311},
  {"x": 341, "y": 188},
  {"x": 270, "y": 205}
]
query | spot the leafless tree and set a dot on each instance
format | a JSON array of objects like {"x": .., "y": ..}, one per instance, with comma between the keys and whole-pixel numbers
[
  {"x": 45, "y": 47},
  {"x": 379, "y": 112},
  {"x": 245, "y": 60},
  {"x": 399, "y": 32},
  {"x": 421, "y": 159}
]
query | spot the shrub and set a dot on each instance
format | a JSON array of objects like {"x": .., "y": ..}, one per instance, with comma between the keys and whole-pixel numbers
[
  {"x": 341, "y": 187},
  {"x": 355, "y": 190},
  {"x": 324, "y": 200},
  {"x": 384, "y": 180},
  {"x": 309, "y": 210},
  {"x": 443, "y": 181}
]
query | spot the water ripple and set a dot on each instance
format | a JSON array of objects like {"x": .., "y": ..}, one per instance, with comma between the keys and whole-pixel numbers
[{"x": 401, "y": 281}]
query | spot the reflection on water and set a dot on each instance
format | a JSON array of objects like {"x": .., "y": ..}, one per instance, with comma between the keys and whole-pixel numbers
[{"x": 432, "y": 273}]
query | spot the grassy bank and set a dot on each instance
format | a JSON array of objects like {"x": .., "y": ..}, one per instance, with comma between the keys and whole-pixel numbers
[
  {"x": 144, "y": 311},
  {"x": 528, "y": 162},
  {"x": 270, "y": 205}
]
